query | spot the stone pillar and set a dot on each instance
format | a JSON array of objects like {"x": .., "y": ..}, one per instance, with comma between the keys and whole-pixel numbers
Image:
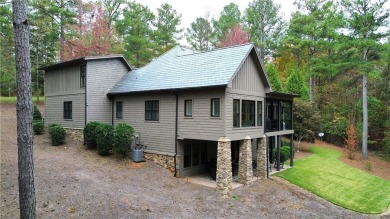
[
  {"x": 224, "y": 167},
  {"x": 262, "y": 158},
  {"x": 245, "y": 171}
]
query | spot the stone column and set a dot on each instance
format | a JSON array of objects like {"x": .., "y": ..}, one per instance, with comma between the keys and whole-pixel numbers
[
  {"x": 224, "y": 167},
  {"x": 262, "y": 158},
  {"x": 245, "y": 171}
]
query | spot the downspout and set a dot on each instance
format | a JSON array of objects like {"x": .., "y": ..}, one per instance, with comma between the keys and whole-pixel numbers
[
  {"x": 176, "y": 128},
  {"x": 112, "y": 110},
  {"x": 267, "y": 154},
  {"x": 85, "y": 98}
]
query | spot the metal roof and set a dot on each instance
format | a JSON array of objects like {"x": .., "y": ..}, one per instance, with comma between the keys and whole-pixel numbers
[
  {"x": 181, "y": 68},
  {"x": 82, "y": 60}
]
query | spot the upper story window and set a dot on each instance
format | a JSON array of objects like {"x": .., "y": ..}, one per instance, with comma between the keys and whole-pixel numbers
[
  {"x": 215, "y": 107},
  {"x": 83, "y": 71},
  {"x": 259, "y": 113},
  {"x": 236, "y": 113},
  {"x": 152, "y": 110},
  {"x": 119, "y": 109},
  {"x": 68, "y": 110},
  {"x": 188, "y": 108},
  {"x": 248, "y": 113}
]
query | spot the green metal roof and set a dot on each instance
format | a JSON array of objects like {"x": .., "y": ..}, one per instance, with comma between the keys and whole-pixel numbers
[{"x": 181, "y": 68}]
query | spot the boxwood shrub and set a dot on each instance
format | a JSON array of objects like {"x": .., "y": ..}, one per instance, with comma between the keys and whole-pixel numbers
[
  {"x": 37, "y": 116},
  {"x": 57, "y": 134},
  {"x": 284, "y": 153},
  {"x": 38, "y": 127},
  {"x": 104, "y": 138},
  {"x": 123, "y": 136},
  {"x": 90, "y": 135}
]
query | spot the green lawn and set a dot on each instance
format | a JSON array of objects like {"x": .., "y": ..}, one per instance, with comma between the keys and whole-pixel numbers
[
  {"x": 13, "y": 99},
  {"x": 326, "y": 176}
]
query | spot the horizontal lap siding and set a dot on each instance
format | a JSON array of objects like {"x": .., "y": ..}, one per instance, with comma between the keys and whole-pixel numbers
[
  {"x": 201, "y": 126},
  {"x": 54, "y": 110},
  {"x": 102, "y": 75},
  {"x": 64, "y": 85},
  {"x": 157, "y": 136}
]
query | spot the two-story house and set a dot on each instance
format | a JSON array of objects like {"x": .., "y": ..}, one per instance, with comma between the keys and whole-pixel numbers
[{"x": 189, "y": 108}]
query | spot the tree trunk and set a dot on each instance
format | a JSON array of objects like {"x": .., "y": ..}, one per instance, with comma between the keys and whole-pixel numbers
[
  {"x": 365, "y": 119},
  {"x": 24, "y": 111},
  {"x": 365, "y": 111}
]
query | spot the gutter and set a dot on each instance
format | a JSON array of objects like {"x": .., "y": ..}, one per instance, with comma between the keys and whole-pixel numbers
[{"x": 176, "y": 129}]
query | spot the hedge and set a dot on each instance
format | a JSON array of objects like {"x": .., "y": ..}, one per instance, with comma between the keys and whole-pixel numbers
[
  {"x": 104, "y": 138},
  {"x": 123, "y": 136}
]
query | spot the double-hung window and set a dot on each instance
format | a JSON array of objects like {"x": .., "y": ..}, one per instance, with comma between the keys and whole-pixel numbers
[
  {"x": 236, "y": 113},
  {"x": 152, "y": 110},
  {"x": 215, "y": 107},
  {"x": 188, "y": 108},
  {"x": 83, "y": 71},
  {"x": 119, "y": 109},
  {"x": 68, "y": 110}
]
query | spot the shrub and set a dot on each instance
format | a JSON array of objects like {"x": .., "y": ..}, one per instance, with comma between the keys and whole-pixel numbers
[
  {"x": 350, "y": 142},
  {"x": 90, "y": 134},
  {"x": 123, "y": 136},
  {"x": 57, "y": 134},
  {"x": 284, "y": 153},
  {"x": 104, "y": 138},
  {"x": 37, "y": 116},
  {"x": 38, "y": 127}
]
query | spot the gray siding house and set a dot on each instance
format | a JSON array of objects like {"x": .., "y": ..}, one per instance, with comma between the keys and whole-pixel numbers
[{"x": 195, "y": 111}]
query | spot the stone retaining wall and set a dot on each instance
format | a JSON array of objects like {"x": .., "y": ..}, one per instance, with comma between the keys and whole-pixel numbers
[{"x": 166, "y": 161}]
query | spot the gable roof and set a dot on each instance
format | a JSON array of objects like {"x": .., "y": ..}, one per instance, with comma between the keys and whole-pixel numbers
[
  {"x": 181, "y": 68},
  {"x": 82, "y": 60}
]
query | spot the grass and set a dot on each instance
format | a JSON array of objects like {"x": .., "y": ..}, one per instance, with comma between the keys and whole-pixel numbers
[
  {"x": 326, "y": 176},
  {"x": 13, "y": 99}
]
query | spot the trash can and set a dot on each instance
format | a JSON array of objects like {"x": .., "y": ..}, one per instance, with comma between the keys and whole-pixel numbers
[{"x": 138, "y": 155}]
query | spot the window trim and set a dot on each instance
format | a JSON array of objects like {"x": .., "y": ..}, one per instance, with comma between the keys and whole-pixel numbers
[
  {"x": 67, "y": 113},
  {"x": 212, "y": 108},
  {"x": 185, "y": 108},
  {"x": 119, "y": 115},
  {"x": 157, "y": 111},
  {"x": 83, "y": 76}
]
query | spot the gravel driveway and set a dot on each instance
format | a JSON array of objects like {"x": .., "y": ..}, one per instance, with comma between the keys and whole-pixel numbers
[{"x": 72, "y": 182}]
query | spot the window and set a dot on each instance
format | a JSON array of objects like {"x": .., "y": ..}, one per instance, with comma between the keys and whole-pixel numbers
[
  {"x": 83, "y": 71},
  {"x": 195, "y": 154},
  {"x": 188, "y": 108},
  {"x": 236, "y": 113},
  {"x": 248, "y": 113},
  {"x": 215, "y": 107},
  {"x": 259, "y": 113},
  {"x": 152, "y": 110},
  {"x": 119, "y": 109},
  {"x": 68, "y": 110}
]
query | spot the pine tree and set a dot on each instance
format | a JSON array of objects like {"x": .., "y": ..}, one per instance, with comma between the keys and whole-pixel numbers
[
  {"x": 276, "y": 83},
  {"x": 296, "y": 84},
  {"x": 229, "y": 18},
  {"x": 199, "y": 35}
]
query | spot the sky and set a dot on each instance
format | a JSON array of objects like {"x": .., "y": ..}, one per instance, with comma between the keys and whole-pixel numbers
[{"x": 191, "y": 9}]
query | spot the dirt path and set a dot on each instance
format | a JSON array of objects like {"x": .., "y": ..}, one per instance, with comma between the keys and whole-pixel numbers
[{"x": 72, "y": 182}]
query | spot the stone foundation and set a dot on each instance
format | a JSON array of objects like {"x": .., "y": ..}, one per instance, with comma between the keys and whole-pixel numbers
[
  {"x": 166, "y": 161},
  {"x": 76, "y": 134},
  {"x": 262, "y": 158},
  {"x": 245, "y": 171},
  {"x": 224, "y": 167}
]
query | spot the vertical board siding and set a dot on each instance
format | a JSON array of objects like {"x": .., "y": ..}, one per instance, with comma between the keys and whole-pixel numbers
[
  {"x": 63, "y": 81},
  {"x": 102, "y": 75},
  {"x": 246, "y": 85},
  {"x": 159, "y": 135},
  {"x": 54, "y": 110},
  {"x": 201, "y": 125},
  {"x": 248, "y": 78}
]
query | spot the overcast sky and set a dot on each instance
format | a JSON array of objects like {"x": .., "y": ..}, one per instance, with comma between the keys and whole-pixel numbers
[{"x": 192, "y": 9}]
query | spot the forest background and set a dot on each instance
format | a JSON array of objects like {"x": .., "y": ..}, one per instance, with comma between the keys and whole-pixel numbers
[{"x": 328, "y": 52}]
